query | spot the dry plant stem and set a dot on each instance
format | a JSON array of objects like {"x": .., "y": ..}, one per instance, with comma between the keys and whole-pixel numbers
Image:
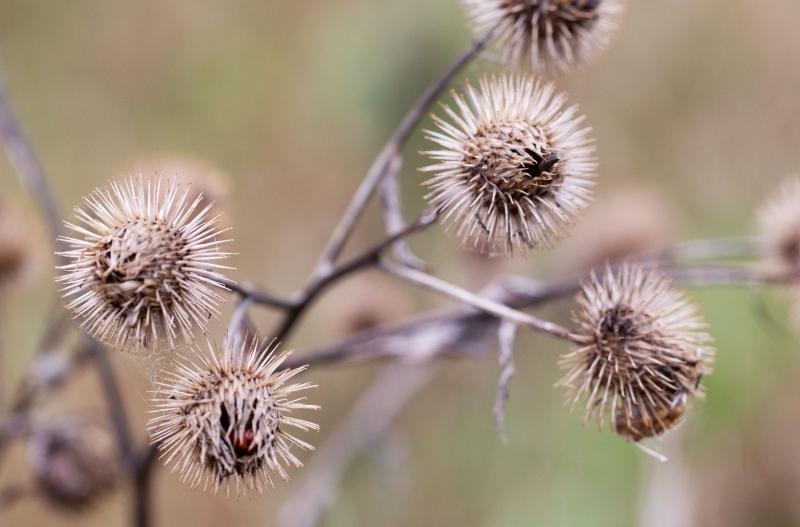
[
  {"x": 392, "y": 205},
  {"x": 238, "y": 324},
  {"x": 369, "y": 419},
  {"x": 711, "y": 249},
  {"x": 26, "y": 164},
  {"x": 116, "y": 408},
  {"x": 505, "y": 357},
  {"x": 143, "y": 498},
  {"x": 257, "y": 295},
  {"x": 31, "y": 175},
  {"x": 380, "y": 166},
  {"x": 370, "y": 257},
  {"x": 484, "y": 304},
  {"x": 26, "y": 392},
  {"x": 448, "y": 332}
]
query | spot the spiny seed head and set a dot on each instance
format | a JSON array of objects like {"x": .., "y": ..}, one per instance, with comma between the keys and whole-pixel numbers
[
  {"x": 225, "y": 416},
  {"x": 514, "y": 167},
  {"x": 142, "y": 267},
  {"x": 73, "y": 465},
  {"x": 644, "y": 355},
  {"x": 779, "y": 220},
  {"x": 547, "y": 35}
]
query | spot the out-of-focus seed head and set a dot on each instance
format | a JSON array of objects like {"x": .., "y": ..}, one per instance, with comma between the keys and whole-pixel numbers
[
  {"x": 143, "y": 264},
  {"x": 206, "y": 180},
  {"x": 779, "y": 220},
  {"x": 644, "y": 355},
  {"x": 16, "y": 254},
  {"x": 73, "y": 465},
  {"x": 514, "y": 167},
  {"x": 547, "y": 35},
  {"x": 623, "y": 223},
  {"x": 225, "y": 416}
]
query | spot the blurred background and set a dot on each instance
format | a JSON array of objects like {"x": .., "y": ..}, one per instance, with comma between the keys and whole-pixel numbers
[{"x": 696, "y": 112}]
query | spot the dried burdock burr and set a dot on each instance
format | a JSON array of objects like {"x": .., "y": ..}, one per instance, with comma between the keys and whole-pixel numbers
[
  {"x": 779, "y": 226},
  {"x": 644, "y": 355},
  {"x": 779, "y": 220},
  {"x": 547, "y": 35},
  {"x": 142, "y": 267},
  {"x": 223, "y": 418},
  {"x": 514, "y": 167},
  {"x": 73, "y": 465}
]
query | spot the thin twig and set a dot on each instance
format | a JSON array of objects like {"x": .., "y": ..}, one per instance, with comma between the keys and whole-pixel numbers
[
  {"x": 394, "y": 145},
  {"x": 370, "y": 257},
  {"x": 484, "y": 304},
  {"x": 710, "y": 249},
  {"x": 142, "y": 492},
  {"x": 27, "y": 164},
  {"x": 392, "y": 205},
  {"x": 116, "y": 408},
  {"x": 463, "y": 331},
  {"x": 505, "y": 357},
  {"x": 257, "y": 294}
]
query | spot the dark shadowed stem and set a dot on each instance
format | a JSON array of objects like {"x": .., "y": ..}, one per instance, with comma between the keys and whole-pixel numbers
[
  {"x": 380, "y": 166},
  {"x": 484, "y": 304},
  {"x": 257, "y": 295},
  {"x": 142, "y": 491},
  {"x": 116, "y": 407},
  {"x": 26, "y": 163},
  {"x": 368, "y": 258}
]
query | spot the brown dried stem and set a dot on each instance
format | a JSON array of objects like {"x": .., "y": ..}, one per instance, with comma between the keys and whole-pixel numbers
[
  {"x": 380, "y": 167},
  {"x": 368, "y": 258},
  {"x": 479, "y": 302},
  {"x": 32, "y": 176}
]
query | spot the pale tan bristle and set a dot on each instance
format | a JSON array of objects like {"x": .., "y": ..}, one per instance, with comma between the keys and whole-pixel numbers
[
  {"x": 143, "y": 266},
  {"x": 552, "y": 36},
  {"x": 514, "y": 167},
  {"x": 223, "y": 418},
  {"x": 645, "y": 353}
]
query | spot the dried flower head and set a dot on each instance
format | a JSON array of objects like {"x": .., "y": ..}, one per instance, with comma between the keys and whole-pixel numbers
[
  {"x": 226, "y": 414},
  {"x": 73, "y": 465},
  {"x": 645, "y": 352},
  {"x": 514, "y": 168},
  {"x": 15, "y": 244},
  {"x": 144, "y": 264},
  {"x": 779, "y": 220},
  {"x": 547, "y": 35}
]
